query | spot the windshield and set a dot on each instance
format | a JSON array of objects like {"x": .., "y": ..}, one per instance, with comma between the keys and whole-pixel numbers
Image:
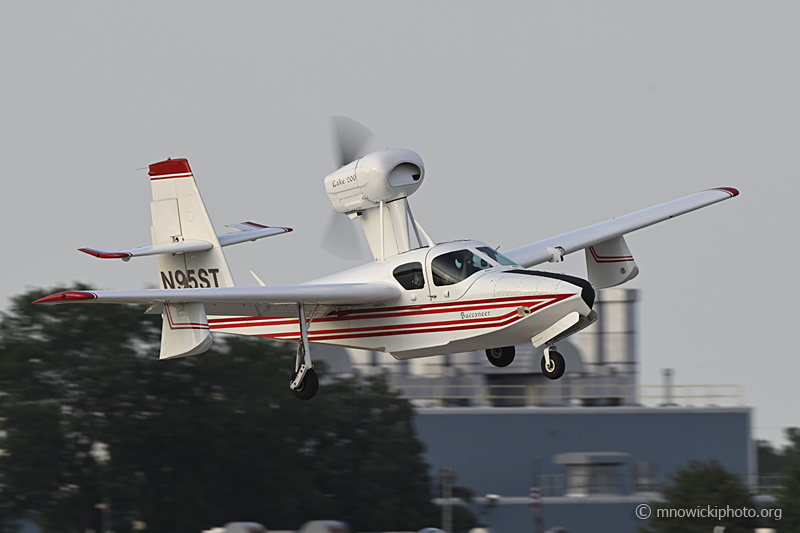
[
  {"x": 497, "y": 256},
  {"x": 453, "y": 267}
]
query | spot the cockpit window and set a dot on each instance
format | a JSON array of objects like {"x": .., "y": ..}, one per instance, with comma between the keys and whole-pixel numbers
[
  {"x": 497, "y": 256},
  {"x": 453, "y": 267},
  {"x": 410, "y": 276}
]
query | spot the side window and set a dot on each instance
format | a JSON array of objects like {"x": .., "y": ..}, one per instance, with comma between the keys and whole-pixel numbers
[
  {"x": 453, "y": 267},
  {"x": 410, "y": 276}
]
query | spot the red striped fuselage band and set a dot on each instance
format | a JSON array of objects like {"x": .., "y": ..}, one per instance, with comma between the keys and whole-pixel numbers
[{"x": 325, "y": 328}]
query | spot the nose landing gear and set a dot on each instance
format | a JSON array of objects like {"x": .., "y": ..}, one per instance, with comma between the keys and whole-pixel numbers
[
  {"x": 553, "y": 364},
  {"x": 500, "y": 356}
]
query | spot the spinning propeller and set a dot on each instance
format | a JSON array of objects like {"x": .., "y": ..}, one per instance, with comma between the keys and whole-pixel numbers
[
  {"x": 349, "y": 138},
  {"x": 341, "y": 238}
]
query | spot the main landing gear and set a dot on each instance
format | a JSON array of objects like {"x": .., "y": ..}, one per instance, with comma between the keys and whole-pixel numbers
[
  {"x": 500, "y": 356},
  {"x": 305, "y": 383},
  {"x": 553, "y": 364}
]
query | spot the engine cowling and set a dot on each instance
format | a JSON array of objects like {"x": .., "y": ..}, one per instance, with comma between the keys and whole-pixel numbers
[{"x": 385, "y": 175}]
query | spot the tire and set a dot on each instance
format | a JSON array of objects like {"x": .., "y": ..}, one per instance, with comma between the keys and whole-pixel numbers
[
  {"x": 309, "y": 387},
  {"x": 500, "y": 356},
  {"x": 558, "y": 363}
]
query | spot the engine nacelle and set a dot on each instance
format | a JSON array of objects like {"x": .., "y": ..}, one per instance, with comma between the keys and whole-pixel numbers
[{"x": 385, "y": 175}]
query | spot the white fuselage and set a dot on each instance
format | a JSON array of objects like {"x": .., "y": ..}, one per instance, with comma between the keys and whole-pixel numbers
[{"x": 437, "y": 312}]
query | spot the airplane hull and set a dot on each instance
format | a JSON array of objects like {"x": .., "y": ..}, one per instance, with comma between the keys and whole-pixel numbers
[{"x": 422, "y": 330}]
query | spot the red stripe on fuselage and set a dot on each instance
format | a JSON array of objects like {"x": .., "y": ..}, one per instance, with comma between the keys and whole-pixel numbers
[
  {"x": 321, "y": 336},
  {"x": 402, "y": 311},
  {"x": 536, "y": 303},
  {"x": 414, "y": 311}
]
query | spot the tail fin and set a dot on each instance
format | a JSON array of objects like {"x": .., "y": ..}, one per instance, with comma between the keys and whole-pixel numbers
[{"x": 180, "y": 215}]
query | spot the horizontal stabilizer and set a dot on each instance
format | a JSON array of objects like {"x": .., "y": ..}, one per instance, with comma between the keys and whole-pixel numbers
[
  {"x": 171, "y": 248},
  {"x": 245, "y": 231},
  {"x": 249, "y": 231}
]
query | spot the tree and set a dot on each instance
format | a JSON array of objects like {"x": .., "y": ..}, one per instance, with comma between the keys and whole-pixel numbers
[
  {"x": 701, "y": 485},
  {"x": 193, "y": 442},
  {"x": 770, "y": 460},
  {"x": 788, "y": 496},
  {"x": 787, "y": 465},
  {"x": 775, "y": 462}
]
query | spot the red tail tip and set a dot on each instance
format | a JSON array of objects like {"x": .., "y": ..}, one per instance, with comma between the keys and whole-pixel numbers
[
  {"x": 66, "y": 297},
  {"x": 170, "y": 167}
]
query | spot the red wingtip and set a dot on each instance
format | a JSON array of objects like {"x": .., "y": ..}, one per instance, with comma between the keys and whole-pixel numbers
[
  {"x": 66, "y": 297},
  {"x": 730, "y": 190},
  {"x": 105, "y": 255}
]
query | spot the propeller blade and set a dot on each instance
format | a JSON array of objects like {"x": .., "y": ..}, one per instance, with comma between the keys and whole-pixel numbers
[
  {"x": 344, "y": 240},
  {"x": 349, "y": 138}
]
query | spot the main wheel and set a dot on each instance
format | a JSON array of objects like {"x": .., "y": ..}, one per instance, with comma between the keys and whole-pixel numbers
[
  {"x": 308, "y": 387},
  {"x": 500, "y": 356},
  {"x": 557, "y": 365}
]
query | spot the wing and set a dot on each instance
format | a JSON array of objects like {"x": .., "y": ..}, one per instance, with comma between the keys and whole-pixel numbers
[
  {"x": 609, "y": 261},
  {"x": 241, "y": 301},
  {"x": 185, "y": 329}
]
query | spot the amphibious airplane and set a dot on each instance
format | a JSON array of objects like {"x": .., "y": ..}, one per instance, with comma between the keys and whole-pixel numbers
[{"x": 418, "y": 298}]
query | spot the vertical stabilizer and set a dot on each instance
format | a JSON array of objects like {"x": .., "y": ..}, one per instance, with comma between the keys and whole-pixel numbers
[{"x": 178, "y": 215}]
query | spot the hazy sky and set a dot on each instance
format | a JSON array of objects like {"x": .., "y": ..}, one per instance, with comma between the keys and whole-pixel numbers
[{"x": 533, "y": 118}]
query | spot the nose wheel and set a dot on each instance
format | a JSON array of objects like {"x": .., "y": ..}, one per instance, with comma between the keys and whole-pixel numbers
[
  {"x": 553, "y": 364},
  {"x": 500, "y": 356}
]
